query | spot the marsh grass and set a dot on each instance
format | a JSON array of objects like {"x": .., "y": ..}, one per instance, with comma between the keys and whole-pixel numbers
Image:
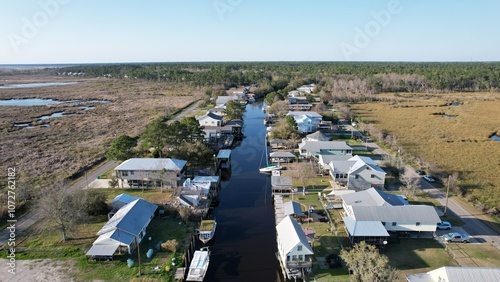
[{"x": 454, "y": 144}]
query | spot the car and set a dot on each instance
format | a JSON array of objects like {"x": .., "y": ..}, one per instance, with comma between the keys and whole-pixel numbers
[
  {"x": 420, "y": 172},
  {"x": 455, "y": 237},
  {"x": 444, "y": 225},
  {"x": 429, "y": 178}
]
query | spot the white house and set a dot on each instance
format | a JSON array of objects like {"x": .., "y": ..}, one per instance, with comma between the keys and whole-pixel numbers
[
  {"x": 306, "y": 121},
  {"x": 210, "y": 119},
  {"x": 324, "y": 161},
  {"x": 367, "y": 212},
  {"x": 316, "y": 136},
  {"x": 457, "y": 274},
  {"x": 151, "y": 172},
  {"x": 125, "y": 229},
  {"x": 357, "y": 173},
  {"x": 294, "y": 251},
  {"x": 315, "y": 148},
  {"x": 308, "y": 89}
]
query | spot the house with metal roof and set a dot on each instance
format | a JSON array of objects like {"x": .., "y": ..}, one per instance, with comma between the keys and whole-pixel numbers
[
  {"x": 281, "y": 184},
  {"x": 372, "y": 232},
  {"x": 315, "y": 148},
  {"x": 151, "y": 172},
  {"x": 457, "y": 274},
  {"x": 357, "y": 173},
  {"x": 282, "y": 157},
  {"x": 293, "y": 208},
  {"x": 121, "y": 200},
  {"x": 324, "y": 161},
  {"x": 124, "y": 230},
  {"x": 372, "y": 197},
  {"x": 210, "y": 119},
  {"x": 294, "y": 251}
]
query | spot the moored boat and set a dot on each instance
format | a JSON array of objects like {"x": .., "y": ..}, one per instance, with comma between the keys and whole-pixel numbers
[
  {"x": 199, "y": 265},
  {"x": 207, "y": 230}
]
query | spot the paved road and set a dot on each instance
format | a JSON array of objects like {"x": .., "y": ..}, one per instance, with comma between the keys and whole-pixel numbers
[
  {"x": 33, "y": 216},
  {"x": 473, "y": 226}
]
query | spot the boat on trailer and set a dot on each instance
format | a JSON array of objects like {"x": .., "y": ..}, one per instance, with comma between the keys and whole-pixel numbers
[
  {"x": 199, "y": 265},
  {"x": 207, "y": 230}
]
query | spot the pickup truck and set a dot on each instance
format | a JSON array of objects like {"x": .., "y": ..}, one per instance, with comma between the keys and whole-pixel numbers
[{"x": 455, "y": 237}]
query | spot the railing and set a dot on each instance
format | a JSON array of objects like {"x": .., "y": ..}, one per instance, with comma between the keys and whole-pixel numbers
[{"x": 306, "y": 263}]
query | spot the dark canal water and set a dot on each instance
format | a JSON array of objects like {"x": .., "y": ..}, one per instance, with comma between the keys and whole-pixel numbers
[{"x": 245, "y": 243}]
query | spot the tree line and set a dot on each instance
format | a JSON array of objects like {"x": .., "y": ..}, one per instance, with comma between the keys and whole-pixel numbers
[{"x": 367, "y": 78}]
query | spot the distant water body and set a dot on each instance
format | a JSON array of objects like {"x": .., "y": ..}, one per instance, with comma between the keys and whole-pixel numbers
[
  {"x": 34, "y": 66},
  {"x": 35, "y": 85}
]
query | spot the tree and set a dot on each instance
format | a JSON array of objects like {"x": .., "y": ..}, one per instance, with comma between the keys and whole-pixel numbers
[
  {"x": 367, "y": 264},
  {"x": 121, "y": 148},
  {"x": 154, "y": 135},
  {"x": 234, "y": 110},
  {"x": 302, "y": 172},
  {"x": 92, "y": 202},
  {"x": 410, "y": 183},
  {"x": 185, "y": 213},
  {"x": 197, "y": 154},
  {"x": 60, "y": 207}
]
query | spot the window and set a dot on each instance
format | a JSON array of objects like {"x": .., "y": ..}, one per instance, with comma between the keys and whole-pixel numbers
[
  {"x": 299, "y": 248},
  {"x": 417, "y": 224},
  {"x": 124, "y": 173},
  {"x": 356, "y": 176},
  {"x": 373, "y": 176},
  {"x": 383, "y": 223},
  {"x": 131, "y": 172},
  {"x": 394, "y": 223}
]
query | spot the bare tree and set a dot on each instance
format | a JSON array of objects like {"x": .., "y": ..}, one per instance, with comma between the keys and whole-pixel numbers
[
  {"x": 60, "y": 207},
  {"x": 367, "y": 264},
  {"x": 185, "y": 213},
  {"x": 302, "y": 172},
  {"x": 410, "y": 183}
]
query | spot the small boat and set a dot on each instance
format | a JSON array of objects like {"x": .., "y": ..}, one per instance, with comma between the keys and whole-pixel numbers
[
  {"x": 199, "y": 265},
  {"x": 207, "y": 230},
  {"x": 270, "y": 168}
]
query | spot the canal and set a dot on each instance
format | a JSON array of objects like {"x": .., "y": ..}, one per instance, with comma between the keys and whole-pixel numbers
[{"x": 244, "y": 245}]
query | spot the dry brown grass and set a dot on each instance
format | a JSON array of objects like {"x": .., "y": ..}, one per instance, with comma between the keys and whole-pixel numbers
[
  {"x": 74, "y": 142},
  {"x": 458, "y": 144}
]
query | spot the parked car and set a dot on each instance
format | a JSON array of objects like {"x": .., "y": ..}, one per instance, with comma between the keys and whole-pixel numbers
[
  {"x": 455, "y": 237},
  {"x": 429, "y": 178},
  {"x": 444, "y": 225},
  {"x": 420, "y": 172}
]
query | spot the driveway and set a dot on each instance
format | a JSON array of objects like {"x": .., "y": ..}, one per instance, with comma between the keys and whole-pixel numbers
[{"x": 473, "y": 226}]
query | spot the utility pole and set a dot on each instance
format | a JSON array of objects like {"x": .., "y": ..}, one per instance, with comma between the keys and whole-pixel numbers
[{"x": 447, "y": 193}]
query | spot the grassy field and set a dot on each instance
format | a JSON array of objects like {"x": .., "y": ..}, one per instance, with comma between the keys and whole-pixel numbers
[
  {"x": 455, "y": 138},
  {"x": 42, "y": 242},
  {"x": 408, "y": 256}
]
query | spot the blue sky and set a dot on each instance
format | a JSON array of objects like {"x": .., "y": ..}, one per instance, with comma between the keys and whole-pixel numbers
[{"x": 97, "y": 31}]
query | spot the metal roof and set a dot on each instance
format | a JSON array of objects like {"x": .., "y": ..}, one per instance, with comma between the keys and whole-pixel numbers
[
  {"x": 364, "y": 228},
  {"x": 131, "y": 218},
  {"x": 318, "y": 136},
  {"x": 210, "y": 115},
  {"x": 457, "y": 274},
  {"x": 281, "y": 181},
  {"x": 102, "y": 250},
  {"x": 224, "y": 154},
  {"x": 317, "y": 146},
  {"x": 121, "y": 200},
  {"x": 372, "y": 197},
  {"x": 290, "y": 235},
  {"x": 308, "y": 113},
  {"x": 416, "y": 213},
  {"x": 282, "y": 155},
  {"x": 293, "y": 207},
  {"x": 151, "y": 164}
]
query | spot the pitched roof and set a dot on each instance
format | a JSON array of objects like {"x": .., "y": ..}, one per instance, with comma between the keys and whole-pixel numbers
[
  {"x": 281, "y": 180},
  {"x": 151, "y": 164},
  {"x": 416, "y": 213},
  {"x": 121, "y": 200},
  {"x": 318, "y": 135},
  {"x": 364, "y": 228},
  {"x": 316, "y": 146},
  {"x": 362, "y": 161},
  {"x": 372, "y": 197},
  {"x": 128, "y": 221},
  {"x": 308, "y": 113},
  {"x": 457, "y": 274},
  {"x": 210, "y": 115},
  {"x": 290, "y": 234},
  {"x": 292, "y": 207}
]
